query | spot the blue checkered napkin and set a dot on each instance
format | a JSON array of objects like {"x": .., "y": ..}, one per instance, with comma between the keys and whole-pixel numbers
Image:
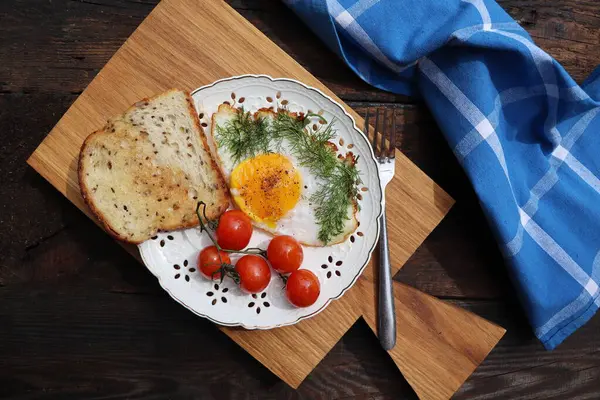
[{"x": 526, "y": 134}]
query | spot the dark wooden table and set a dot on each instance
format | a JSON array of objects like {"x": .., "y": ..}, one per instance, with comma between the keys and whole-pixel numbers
[{"x": 79, "y": 318}]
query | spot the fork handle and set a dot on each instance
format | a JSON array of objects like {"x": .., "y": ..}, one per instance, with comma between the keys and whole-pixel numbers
[{"x": 386, "y": 323}]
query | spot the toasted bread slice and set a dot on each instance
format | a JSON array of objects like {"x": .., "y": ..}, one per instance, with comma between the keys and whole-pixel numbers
[
  {"x": 225, "y": 113},
  {"x": 147, "y": 169}
]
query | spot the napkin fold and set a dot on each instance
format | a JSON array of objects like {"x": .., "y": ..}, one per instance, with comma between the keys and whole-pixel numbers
[{"x": 526, "y": 134}]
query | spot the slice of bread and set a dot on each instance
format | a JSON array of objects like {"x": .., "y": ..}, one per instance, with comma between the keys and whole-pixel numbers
[{"x": 147, "y": 169}]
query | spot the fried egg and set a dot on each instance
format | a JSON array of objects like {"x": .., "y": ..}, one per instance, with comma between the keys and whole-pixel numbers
[
  {"x": 266, "y": 187},
  {"x": 273, "y": 189}
]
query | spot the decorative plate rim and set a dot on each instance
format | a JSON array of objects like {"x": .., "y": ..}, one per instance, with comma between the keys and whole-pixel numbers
[{"x": 378, "y": 212}]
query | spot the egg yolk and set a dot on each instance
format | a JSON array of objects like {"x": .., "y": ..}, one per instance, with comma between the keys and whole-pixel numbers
[{"x": 266, "y": 187}]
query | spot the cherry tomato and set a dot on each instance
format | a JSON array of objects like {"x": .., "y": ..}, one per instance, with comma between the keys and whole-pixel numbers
[
  {"x": 285, "y": 254},
  {"x": 302, "y": 288},
  {"x": 209, "y": 261},
  {"x": 254, "y": 272},
  {"x": 234, "y": 230}
]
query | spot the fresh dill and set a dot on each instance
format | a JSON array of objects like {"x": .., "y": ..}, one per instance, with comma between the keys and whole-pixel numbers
[
  {"x": 334, "y": 200},
  {"x": 245, "y": 137},
  {"x": 311, "y": 149}
]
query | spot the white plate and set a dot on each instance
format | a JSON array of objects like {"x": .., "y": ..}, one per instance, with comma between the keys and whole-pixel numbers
[{"x": 172, "y": 256}]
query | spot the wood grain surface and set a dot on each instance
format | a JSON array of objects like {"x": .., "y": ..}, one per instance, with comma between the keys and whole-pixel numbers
[
  {"x": 165, "y": 51},
  {"x": 54, "y": 258}
]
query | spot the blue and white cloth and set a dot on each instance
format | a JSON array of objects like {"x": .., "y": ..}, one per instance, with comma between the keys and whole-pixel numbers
[{"x": 526, "y": 134}]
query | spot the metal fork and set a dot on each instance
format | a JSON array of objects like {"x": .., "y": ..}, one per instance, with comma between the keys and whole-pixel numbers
[{"x": 384, "y": 149}]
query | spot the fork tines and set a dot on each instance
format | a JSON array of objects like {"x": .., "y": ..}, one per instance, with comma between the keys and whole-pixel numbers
[{"x": 383, "y": 142}]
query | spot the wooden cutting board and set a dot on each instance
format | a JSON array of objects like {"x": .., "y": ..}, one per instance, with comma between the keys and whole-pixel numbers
[{"x": 190, "y": 43}]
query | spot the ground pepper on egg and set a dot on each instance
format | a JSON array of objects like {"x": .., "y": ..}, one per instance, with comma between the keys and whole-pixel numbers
[{"x": 268, "y": 186}]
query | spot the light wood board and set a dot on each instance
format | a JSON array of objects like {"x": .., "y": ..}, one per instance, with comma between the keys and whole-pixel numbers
[{"x": 190, "y": 43}]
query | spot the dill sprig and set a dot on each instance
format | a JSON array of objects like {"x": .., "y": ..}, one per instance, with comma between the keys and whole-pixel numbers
[
  {"x": 336, "y": 194},
  {"x": 311, "y": 149},
  {"x": 333, "y": 200},
  {"x": 245, "y": 137}
]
